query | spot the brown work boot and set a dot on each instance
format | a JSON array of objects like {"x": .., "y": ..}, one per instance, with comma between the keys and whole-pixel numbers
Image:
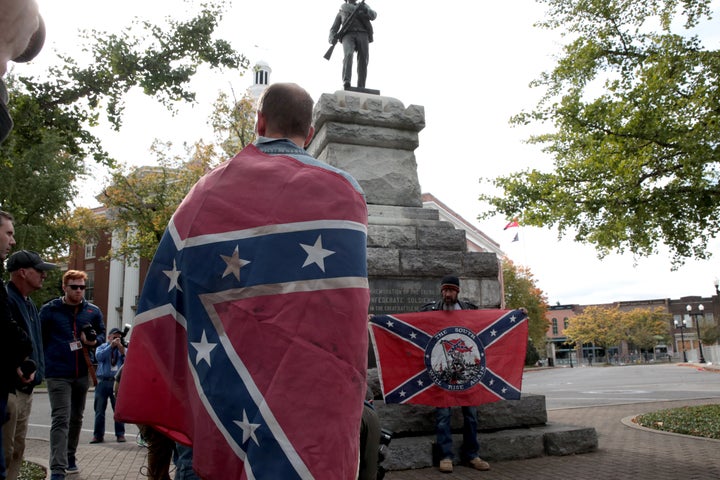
[
  {"x": 479, "y": 464},
  {"x": 446, "y": 465}
]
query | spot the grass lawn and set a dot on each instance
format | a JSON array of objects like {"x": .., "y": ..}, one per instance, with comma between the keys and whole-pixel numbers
[{"x": 699, "y": 421}]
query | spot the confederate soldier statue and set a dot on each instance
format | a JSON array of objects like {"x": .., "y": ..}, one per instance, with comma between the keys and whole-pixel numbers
[{"x": 352, "y": 27}]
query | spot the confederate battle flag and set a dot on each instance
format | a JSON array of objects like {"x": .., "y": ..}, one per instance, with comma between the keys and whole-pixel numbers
[
  {"x": 250, "y": 342},
  {"x": 450, "y": 358}
]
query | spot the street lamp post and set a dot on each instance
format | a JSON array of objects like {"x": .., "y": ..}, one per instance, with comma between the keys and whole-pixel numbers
[
  {"x": 697, "y": 326},
  {"x": 682, "y": 326}
]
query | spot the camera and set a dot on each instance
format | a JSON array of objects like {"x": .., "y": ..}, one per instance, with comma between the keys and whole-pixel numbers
[
  {"x": 90, "y": 333},
  {"x": 123, "y": 334}
]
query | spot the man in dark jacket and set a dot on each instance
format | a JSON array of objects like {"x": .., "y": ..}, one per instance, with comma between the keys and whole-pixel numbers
[
  {"x": 356, "y": 38},
  {"x": 70, "y": 327},
  {"x": 14, "y": 343},
  {"x": 27, "y": 274},
  {"x": 450, "y": 289}
]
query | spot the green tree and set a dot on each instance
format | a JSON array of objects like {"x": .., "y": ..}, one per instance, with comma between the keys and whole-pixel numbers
[
  {"x": 54, "y": 113},
  {"x": 522, "y": 291},
  {"x": 602, "y": 326},
  {"x": 645, "y": 325},
  {"x": 141, "y": 200},
  {"x": 633, "y": 106},
  {"x": 234, "y": 122},
  {"x": 710, "y": 335}
]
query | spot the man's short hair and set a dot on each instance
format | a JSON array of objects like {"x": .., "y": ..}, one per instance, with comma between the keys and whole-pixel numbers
[
  {"x": 287, "y": 109},
  {"x": 73, "y": 275},
  {"x": 5, "y": 216}
]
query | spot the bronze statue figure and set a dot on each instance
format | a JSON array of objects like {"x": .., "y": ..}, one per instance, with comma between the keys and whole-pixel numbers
[{"x": 353, "y": 29}]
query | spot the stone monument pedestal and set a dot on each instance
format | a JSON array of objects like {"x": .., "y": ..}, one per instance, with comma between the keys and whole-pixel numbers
[{"x": 409, "y": 250}]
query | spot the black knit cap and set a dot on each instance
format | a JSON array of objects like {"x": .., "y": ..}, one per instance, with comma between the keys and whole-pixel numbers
[{"x": 450, "y": 281}]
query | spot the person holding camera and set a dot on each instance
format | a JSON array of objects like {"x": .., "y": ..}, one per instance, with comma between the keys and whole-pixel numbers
[
  {"x": 110, "y": 357},
  {"x": 71, "y": 326}
]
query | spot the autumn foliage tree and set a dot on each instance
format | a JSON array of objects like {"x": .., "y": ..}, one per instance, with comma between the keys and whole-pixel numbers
[
  {"x": 646, "y": 326},
  {"x": 141, "y": 200},
  {"x": 522, "y": 291},
  {"x": 608, "y": 327}
]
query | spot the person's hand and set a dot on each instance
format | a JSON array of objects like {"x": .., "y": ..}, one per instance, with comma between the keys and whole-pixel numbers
[
  {"x": 26, "y": 380},
  {"x": 117, "y": 343}
]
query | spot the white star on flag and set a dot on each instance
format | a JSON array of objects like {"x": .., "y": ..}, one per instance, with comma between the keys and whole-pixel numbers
[
  {"x": 234, "y": 264},
  {"x": 203, "y": 349},
  {"x": 248, "y": 428},
  {"x": 316, "y": 254},
  {"x": 173, "y": 275}
]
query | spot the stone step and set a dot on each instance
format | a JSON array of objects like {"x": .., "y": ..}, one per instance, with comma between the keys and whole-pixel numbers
[
  {"x": 408, "y": 420},
  {"x": 513, "y": 444}
]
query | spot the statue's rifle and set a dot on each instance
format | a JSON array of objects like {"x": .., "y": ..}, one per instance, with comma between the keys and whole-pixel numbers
[{"x": 342, "y": 31}]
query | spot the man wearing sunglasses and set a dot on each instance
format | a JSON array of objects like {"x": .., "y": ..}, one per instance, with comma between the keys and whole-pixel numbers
[{"x": 70, "y": 326}]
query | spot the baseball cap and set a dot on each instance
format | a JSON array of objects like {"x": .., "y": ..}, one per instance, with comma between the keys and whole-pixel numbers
[
  {"x": 27, "y": 259},
  {"x": 114, "y": 330}
]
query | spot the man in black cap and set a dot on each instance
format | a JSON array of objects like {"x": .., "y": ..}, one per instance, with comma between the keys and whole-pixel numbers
[
  {"x": 110, "y": 357},
  {"x": 450, "y": 289},
  {"x": 27, "y": 274}
]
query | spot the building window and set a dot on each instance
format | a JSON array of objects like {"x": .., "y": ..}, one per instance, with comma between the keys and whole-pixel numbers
[
  {"x": 566, "y": 322},
  {"x": 90, "y": 286},
  {"x": 554, "y": 326},
  {"x": 90, "y": 249}
]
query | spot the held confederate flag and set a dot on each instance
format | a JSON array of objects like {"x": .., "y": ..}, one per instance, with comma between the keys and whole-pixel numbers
[
  {"x": 250, "y": 342},
  {"x": 450, "y": 358}
]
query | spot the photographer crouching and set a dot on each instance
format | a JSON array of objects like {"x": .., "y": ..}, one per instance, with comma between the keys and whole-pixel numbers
[{"x": 110, "y": 357}]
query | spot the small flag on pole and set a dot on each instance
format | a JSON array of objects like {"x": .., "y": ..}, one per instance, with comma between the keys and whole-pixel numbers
[{"x": 512, "y": 223}]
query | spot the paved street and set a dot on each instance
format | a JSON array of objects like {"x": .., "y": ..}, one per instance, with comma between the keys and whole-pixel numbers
[{"x": 605, "y": 398}]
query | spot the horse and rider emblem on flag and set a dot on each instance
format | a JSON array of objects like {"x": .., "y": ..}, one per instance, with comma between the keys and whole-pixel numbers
[
  {"x": 450, "y": 358},
  {"x": 455, "y": 359}
]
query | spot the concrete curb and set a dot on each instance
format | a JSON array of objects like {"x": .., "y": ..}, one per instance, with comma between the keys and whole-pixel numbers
[{"x": 629, "y": 421}]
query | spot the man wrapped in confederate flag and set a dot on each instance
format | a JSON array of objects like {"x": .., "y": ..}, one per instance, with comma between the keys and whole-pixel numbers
[{"x": 250, "y": 343}]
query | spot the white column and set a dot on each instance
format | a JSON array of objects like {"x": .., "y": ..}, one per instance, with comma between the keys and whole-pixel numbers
[{"x": 116, "y": 277}]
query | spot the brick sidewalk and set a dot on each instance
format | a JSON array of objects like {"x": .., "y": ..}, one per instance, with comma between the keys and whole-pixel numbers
[{"x": 625, "y": 452}]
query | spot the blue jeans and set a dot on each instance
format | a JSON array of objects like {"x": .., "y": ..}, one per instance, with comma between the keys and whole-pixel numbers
[
  {"x": 67, "y": 404},
  {"x": 183, "y": 463},
  {"x": 470, "y": 445},
  {"x": 103, "y": 392}
]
